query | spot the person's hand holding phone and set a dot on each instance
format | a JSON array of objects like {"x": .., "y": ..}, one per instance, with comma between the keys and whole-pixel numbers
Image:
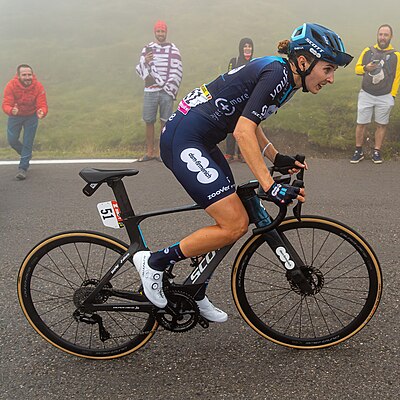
[
  {"x": 372, "y": 65},
  {"x": 149, "y": 54}
]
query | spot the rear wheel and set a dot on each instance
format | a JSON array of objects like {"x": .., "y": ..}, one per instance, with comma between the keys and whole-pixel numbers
[
  {"x": 56, "y": 276},
  {"x": 340, "y": 265}
]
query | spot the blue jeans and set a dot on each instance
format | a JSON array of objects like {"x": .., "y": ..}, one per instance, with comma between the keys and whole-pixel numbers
[{"x": 14, "y": 127}]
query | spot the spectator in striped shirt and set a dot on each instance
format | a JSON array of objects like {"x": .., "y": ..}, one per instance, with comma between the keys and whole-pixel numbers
[{"x": 160, "y": 67}]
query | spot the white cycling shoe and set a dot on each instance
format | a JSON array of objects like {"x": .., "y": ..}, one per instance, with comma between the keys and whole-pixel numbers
[
  {"x": 210, "y": 312},
  {"x": 151, "y": 279}
]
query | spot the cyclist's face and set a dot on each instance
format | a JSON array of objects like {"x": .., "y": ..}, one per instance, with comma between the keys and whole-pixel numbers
[{"x": 322, "y": 73}]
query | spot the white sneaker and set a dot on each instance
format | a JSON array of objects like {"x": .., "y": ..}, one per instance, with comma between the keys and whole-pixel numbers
[
  {"x": 210, "y": 312},
  {"x": 151, "y": 279}
]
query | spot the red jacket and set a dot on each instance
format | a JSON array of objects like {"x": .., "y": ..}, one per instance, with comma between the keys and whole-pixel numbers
[{"x": 28, "y": 99}]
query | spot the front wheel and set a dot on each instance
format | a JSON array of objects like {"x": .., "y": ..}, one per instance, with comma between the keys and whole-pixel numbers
[
  {"x": 342, "y": 269},
  {"x": 56, "y": 276}
]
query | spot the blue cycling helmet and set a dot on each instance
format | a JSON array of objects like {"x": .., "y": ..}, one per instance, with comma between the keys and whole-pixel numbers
[{"x": 321, "y": 43}]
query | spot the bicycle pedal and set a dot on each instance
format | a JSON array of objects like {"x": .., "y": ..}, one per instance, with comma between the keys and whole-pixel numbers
[{"x": 203, "y": 322}]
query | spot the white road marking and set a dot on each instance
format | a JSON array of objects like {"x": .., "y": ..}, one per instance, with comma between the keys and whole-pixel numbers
[{"x": 82, "y": 161}]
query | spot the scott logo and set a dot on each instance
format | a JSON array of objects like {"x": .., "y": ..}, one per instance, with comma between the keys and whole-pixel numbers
[
  {"x": 284, "y": 257},
  {"x": 202, "y": 266},
  {"x": 315, "y": 46}
]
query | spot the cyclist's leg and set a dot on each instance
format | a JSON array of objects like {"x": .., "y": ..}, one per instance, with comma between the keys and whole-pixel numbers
[{"x": 206, "y": 176}]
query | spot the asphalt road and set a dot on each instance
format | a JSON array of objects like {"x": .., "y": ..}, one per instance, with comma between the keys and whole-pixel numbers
[{"x": 227, "y": 361}]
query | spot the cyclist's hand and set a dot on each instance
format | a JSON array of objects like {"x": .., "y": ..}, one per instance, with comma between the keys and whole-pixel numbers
[
  {"x": 284, "y": 194},
  {"x": 288, "y": 164}
]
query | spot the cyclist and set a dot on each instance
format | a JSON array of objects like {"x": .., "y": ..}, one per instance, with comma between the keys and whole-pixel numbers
[{"x": 236, "y": 102}]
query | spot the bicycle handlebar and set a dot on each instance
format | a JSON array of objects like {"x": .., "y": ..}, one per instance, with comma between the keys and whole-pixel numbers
[
  {"x": 298, "y": 182},
  {"x": 278, "y": 219}
]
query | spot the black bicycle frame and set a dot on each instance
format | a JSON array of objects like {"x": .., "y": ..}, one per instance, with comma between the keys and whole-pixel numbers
[{"x": 205, "y": 268}]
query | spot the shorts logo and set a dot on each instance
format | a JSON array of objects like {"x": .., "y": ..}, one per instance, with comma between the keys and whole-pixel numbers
[
  {"x": 199, "y": 164},
  {"x": 218, "y": 192}
]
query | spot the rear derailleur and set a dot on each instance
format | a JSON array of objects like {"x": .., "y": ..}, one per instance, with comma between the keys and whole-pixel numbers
[{"x": 93, "y": 319}]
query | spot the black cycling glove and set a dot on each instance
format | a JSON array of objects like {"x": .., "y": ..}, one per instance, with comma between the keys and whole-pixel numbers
[
  {"x": 284, "y": 163},
  {"x": 282, "y": 194}
]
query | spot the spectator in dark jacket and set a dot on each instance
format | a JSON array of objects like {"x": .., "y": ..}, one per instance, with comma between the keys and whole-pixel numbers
[
  {"x": 25, "y": 103},
  {"x": 246, "y": 50}
]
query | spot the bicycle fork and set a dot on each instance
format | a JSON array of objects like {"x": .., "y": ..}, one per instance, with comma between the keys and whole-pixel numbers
[{"x": 281, "y": 247}]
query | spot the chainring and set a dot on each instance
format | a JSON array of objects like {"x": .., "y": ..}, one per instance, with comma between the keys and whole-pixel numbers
[{"x": 181, "y": 313}]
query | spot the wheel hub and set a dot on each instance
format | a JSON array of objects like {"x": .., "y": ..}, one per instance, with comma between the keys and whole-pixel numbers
[
  {"x": 314, "y": 277},
  {"x": 82, "y": 293}
]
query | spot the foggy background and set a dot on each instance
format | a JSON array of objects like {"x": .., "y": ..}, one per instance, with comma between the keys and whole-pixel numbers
[{"x": 85, "y": 52}]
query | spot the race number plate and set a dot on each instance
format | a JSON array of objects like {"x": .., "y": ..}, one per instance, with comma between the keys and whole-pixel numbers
[{"x": 110, "y": 214}]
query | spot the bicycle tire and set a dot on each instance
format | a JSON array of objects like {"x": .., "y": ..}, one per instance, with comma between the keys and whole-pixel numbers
[
  {"x": 348, "y": 281},
  {"x": 50, "y": 275}
]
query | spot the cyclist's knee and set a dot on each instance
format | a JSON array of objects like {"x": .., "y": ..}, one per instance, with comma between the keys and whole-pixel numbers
[{"x": 236, "y": 231}]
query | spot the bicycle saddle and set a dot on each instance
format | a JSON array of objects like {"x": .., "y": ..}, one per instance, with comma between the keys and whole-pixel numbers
[{"x": 94, "y": 175}]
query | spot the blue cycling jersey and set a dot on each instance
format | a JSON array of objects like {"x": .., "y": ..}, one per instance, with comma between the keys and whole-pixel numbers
[
  {"x": 255, "y": 91},
  {"x": 207, "y": 114}
]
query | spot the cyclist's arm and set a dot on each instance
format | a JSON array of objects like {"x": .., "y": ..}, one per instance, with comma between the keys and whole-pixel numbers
[
  {"x": 250, "y": 138},
  {"x": 266, "y": 147}
]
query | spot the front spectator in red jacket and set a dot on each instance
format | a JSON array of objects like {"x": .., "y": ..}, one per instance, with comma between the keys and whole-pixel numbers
[{"x": 25, "y": 103}]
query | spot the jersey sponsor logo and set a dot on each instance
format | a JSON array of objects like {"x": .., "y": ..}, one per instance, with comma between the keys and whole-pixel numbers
[
  {"x": 198, "y": 164},
  {"x": 265, "y": 112},
  {"x": 225, "y": 106},
  {"x": 219, "y": 191},
  {"x": 281, "y": 85}
]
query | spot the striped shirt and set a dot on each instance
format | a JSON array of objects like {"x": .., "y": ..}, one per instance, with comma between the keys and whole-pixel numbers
[{"x": 164, "y": 72}]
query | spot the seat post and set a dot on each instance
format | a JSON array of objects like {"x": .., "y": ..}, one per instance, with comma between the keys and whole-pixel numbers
[
  {"x": 122, "y": 198},
  {"x": 127, "y": 214}
]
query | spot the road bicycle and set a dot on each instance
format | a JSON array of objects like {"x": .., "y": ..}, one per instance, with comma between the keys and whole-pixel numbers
[{"x": 305, "y": 282}]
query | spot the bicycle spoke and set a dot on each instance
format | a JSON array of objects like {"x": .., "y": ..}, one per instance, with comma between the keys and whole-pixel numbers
[
  {"x": 62, "y": 275},
  {"x": 71, "y": 263},
  {"x": 334, "y": 262},
  {"x": 54, "y": 263}
]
